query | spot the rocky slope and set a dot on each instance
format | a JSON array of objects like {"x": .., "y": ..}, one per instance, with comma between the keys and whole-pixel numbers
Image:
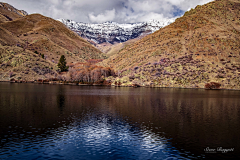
[
  {"x": 113, "y": 32},
  {"x": 9, "y": 13},
  {"x": 31, "y": 45},
  {"x": 198, "y": 48},
  {"x": 109, "y": 37}
]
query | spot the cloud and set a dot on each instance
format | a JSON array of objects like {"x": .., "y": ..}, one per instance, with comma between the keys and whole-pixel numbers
[
  {"x": 152, "y": 15},
  {"x": 108, "y": 15},
  {"x": 97, "y": 11}
]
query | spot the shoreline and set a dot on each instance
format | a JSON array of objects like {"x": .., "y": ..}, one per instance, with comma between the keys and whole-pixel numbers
[{"x": 110, "y": 85}]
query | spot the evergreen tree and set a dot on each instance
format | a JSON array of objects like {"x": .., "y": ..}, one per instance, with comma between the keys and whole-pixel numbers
[{"x": 62, "y": 64}]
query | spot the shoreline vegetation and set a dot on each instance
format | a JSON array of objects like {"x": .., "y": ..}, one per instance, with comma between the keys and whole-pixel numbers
[
  {"x": 91, "y": 74},
  {"x": 208, "y": 86}
]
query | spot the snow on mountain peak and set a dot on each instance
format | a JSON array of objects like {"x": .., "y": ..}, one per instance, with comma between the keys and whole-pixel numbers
[{"x": 113, "y": 32}]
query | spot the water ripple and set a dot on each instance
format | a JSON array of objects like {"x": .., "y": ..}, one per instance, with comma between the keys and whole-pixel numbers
[
  {"x": 65, "y": 122},
  {"x": 97, "y": 137}
]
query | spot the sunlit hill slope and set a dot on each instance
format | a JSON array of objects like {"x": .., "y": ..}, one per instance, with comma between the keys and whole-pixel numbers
[{"x": 200, "y": 47}]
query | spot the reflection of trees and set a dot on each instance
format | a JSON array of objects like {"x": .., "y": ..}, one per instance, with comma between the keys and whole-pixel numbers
[{"x": 61, "y": 98}]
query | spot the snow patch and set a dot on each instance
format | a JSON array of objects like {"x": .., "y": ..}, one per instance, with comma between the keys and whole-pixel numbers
[{"x": 108, "y": 31}]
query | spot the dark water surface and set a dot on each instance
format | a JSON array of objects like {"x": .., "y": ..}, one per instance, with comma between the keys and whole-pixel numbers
[{"x": 87, "y": 122}]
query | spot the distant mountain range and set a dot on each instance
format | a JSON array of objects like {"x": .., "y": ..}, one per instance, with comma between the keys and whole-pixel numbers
[{"x": 112, "y": 32}]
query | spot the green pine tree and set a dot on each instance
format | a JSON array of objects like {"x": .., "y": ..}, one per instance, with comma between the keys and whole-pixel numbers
[{"x": 62, "y": 64}]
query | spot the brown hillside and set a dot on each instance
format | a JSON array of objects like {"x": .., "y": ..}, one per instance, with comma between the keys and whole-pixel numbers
[
  {"x": 15, "y": 63},
  {"x": 200, "y": 47},
  {"x": 32, "y": 36},
  {"x": 50, "y": 38}
]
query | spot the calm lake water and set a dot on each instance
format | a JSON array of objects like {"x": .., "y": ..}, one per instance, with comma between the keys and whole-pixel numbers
[{"x": 88, "y": 122}]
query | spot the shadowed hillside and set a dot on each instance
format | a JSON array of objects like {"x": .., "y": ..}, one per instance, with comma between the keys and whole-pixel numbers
[
  {"x": 198, "y": 48},
  {"x": 34, "y": 38}
]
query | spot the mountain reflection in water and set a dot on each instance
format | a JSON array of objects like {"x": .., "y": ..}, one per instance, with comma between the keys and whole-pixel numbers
[{"x": 86, "y": 122}]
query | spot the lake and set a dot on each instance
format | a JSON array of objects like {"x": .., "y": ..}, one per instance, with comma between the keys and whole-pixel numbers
[{"x": 40, "y": 121}]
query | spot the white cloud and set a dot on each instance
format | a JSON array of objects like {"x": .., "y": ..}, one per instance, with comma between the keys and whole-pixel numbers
[
  {"x": 107, "y": 10},
  {"x": 108, "y": 15},
  {"x": 176, "y": 2},
  {"x": 152, "y": 15}
]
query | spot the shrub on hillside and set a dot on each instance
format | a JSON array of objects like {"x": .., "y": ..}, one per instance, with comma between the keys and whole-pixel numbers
[
  {"x": 87, "y": 73},
  {"x": 212, "y": 85}
]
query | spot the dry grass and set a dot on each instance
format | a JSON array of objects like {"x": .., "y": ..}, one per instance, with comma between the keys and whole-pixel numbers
[
  {"x": 51, "y": 37},
  {"x": 209, "y": 33},
  {"x": 24, "y": 65},
  {"x": 29, "y": 37}
]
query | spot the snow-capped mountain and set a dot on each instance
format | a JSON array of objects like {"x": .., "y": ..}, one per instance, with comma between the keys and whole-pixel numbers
[{"x": 113, "y": 32}]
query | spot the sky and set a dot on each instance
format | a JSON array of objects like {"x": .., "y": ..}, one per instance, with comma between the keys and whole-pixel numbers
[{"x": 99, "y": 11}]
